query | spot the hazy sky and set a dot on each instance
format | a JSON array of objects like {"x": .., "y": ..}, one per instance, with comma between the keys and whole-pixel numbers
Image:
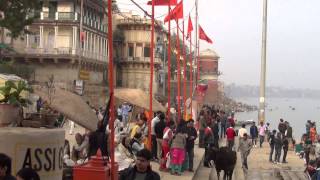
[{"x": 293, "y": 54}]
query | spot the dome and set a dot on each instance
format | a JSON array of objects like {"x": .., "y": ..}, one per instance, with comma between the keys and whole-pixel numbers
[{"x": 209, "y": 53}]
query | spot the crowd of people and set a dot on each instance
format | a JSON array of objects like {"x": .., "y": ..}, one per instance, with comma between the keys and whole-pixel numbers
[
  {"x": 309, "y": 150},
  {"x": 22, "y": 174}
]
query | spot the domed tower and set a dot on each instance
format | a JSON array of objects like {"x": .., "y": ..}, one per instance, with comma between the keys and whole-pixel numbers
[
  {"x": 209, "y": 75},
  {"x": 209, "y": 65}
]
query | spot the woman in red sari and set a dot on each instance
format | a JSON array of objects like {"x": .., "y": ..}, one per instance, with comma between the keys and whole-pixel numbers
[{"x": 167, "y": 137}]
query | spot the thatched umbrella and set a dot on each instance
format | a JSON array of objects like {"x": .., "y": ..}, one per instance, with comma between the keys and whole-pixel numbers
[
  {"x": 139, "y": 98},
  {"x": 70, "y": 105}
]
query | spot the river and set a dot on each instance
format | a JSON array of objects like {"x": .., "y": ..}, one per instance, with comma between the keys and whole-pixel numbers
[{"x": 305, "y": 109}]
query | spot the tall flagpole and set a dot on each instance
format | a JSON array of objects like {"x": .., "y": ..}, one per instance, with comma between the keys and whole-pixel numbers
[
  {"x": 169, "y": 65},
  {"x": 197, "y": 45},
  {"x": 111, "y": 89},
  {"x": 178, "y": 69},
  {"x": 263, "y": 63},
  {"x": 184, "y": 73},
  {"x": 151, "y": 76},
  {"x": 191, "y": 71}
]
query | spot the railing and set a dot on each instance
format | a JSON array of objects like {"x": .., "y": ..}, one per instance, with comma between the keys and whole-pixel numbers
[
  {"x": 141, "y": 59},
  {"x": 66, "y": 15},
  {"x": 66, "y": 51}
]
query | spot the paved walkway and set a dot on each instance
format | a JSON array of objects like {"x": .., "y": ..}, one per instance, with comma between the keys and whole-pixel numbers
[
  {"x": 260, "y": 168},
  {"x": 198, "y": 156}
]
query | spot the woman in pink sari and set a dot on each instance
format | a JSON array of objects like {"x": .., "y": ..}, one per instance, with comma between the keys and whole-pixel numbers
[
  {"x": 177, "y": 151},
  {"x": 167, "y": 137}
]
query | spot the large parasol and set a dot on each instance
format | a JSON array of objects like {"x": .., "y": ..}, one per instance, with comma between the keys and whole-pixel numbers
[
  {"x": 139, "y": 98},
  {"x": 70, "y": 105}
]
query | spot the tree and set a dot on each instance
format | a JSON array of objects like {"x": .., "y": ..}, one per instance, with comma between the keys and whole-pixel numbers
[
  {"x": 174, "y": 56},
  {"x": 15, "y": 15}
]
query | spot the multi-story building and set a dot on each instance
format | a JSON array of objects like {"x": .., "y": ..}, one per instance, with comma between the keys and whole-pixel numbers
[
  {"x": 54, "y": 47},
  {"x": 134, "y": 61}
]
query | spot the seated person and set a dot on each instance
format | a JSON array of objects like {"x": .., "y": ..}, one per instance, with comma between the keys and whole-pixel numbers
[
  {"x": 123, "y": 156},
  {"x": 79, "y": 151},
  {"x": 136, "y": 143}
]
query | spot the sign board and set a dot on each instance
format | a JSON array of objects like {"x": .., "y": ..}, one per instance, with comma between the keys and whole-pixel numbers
[
  {"x": 84, "y": 75},
  {"x": 40, "y": 149}
]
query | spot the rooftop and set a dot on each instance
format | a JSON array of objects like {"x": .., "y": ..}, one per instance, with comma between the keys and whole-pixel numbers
[{"x": 209, "y": 53}]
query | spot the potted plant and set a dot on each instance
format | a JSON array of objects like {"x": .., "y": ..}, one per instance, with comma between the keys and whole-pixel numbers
[{"x": 12, "y": 101}]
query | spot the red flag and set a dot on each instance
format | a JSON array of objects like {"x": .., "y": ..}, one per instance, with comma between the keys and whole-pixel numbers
[
  {"x": 203, "y": 36},
  {"x": 163, "y": 2},
  {"x": 190, "y": 28},
  {"x": 176, "y": 13}
]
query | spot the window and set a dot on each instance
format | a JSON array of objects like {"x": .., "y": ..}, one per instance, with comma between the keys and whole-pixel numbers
[
  {"x": 130, "y": 50},
  {"x": 146, "y": 51}
]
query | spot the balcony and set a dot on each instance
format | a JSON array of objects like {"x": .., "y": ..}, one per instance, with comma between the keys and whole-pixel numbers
[
  {"x": 64, "y": 51},
  {"x": 59, "y": 16},
  {"x": 140, "y": 59}
]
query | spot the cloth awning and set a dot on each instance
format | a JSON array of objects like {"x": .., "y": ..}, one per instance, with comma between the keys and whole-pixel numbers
[
  {"x": 70, "y": 105},
  {"x": 139, "y": 98}
]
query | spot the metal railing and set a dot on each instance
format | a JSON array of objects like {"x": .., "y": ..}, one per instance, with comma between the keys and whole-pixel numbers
[
  {"x": 141, "y": 59},
  {"x": 66, "y": 16}
]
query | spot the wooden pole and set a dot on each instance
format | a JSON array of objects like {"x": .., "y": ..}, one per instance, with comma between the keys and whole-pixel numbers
[
  {"x": 191, "y": 71},
  {"x": 178, "y": 70},
  {"x": 169, "y": 66},
  {"x": 184, "y": 73},
  {"x": 111, "y": 89},
  {"x": 151, "y": 76}
]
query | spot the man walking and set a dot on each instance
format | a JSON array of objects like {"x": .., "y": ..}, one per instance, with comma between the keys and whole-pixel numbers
[
  {"x": 288, "y": 133},
  {"x": 282, "y": 127},
  {"x": 223, "y": 121},
  {"x": 254, "y": 134},
  {"x": 159, "y": 128},
  {"x": 231, "y": 133},
  {"x": 192, "y": 136},
  {"x": 272, "y": 143},
  {"x": 262, "y": 133},
  {"x": 154, "y": 121},
  {"x": 245, "y": 146}
]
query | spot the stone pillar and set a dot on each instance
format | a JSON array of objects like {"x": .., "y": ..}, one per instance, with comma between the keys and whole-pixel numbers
[
  {"x": 134, "y": 50},
  {"x": 56, "y": 31},
  {"x": 94, "y": 46},
  {"x": 74, "y": 39},
  {"x": 91, "y": 45},
  {"x": 27, "y": 39},
  {"x": 41, "y": 36}
]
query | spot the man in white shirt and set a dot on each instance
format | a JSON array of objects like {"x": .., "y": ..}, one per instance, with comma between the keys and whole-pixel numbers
[
  {"x": 242, "y": 131},
  {"x": 154, "y": 121}
]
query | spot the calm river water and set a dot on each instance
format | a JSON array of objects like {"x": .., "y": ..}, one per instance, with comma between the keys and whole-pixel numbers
[{"x": 277, "y": 108}]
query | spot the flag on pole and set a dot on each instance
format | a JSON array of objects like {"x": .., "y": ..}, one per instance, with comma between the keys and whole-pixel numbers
[
  {"x": 190, "y": 28},
  {"x": 203, "y": 35},
  {"x": 176, "y": 13},
  {"x": 163, "y": 2}
]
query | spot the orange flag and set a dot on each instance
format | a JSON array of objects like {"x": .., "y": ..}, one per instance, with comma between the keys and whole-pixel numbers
[
  {"x": 176, "y": 13},
  {"x": 163, "y": 2},
  {"x": 203, "y": 36},
  {"x": 190, "y": 28}
]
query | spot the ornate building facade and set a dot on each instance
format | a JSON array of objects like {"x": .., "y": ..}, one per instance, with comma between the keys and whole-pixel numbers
[
  {"x": 134, "y": 59},
  {"x": 53, "y": 47}
]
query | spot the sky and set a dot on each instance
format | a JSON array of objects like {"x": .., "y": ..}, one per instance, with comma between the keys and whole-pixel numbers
[{"x": 293, "y": 50}]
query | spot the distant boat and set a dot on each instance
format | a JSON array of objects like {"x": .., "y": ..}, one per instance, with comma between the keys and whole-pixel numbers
[
  {"x": 246, "y": 122},
  {"x": 293, "y": 108}
]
